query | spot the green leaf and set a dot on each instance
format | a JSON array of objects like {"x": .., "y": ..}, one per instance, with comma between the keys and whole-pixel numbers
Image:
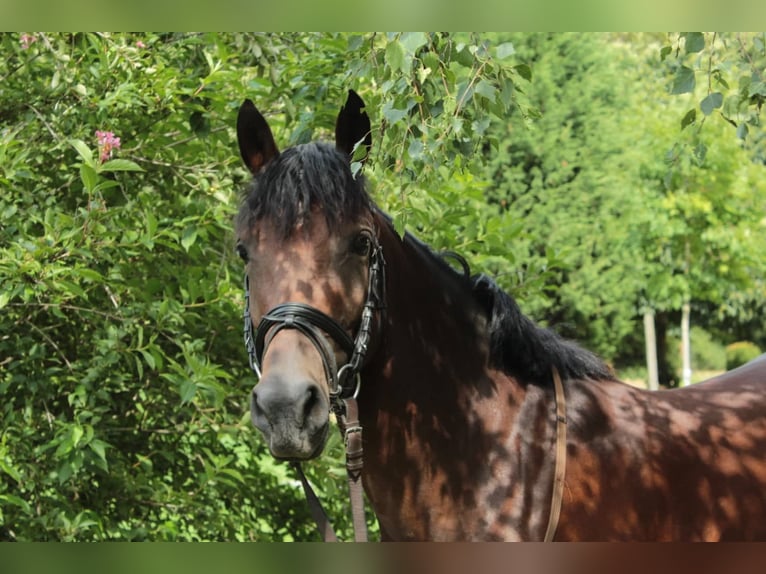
[
  {"x": 400, "y": 223},
  {"x": 484, "y": 88},
  {"x": 9, "y": 470},
  {"x": 665, "y": 52},
  {"x": 695, "y": 42},
  {"x": 89, "y": 177},
  {"x": 90, "y": 274},
  {"x": 415, "y": 151},
  {"x": 119, "y": 165},
  {"x": 355, "y": 42},
  {"x": 148, "y": 358},
  {"x": 711, "y": 102},
  {"x": 683, "y": 81},
  {"x": 395, "y": 56},
  {"x": 504, "y": 50},
  {"x": 393, "y": 115},
  {"x": 412, "y": 41},
  {"x": 84, "y": 151},
  {"x": 98, "y": 447},
  {"x": 16, "y": 501},
  {"x": 742, "y": 131},
  {"x": 5, "y": 298},
  {"x": 189, "y": 237},
  {"x": 187, "y": 390},
  {"x": 689, "y": 118},
  {"x": 524, "y": 71},
  {"x": 77, "y": 434},
  {"x": 71, "y": 288}
]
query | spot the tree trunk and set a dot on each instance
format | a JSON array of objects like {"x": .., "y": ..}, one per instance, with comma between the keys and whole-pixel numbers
[
  {"x": 664, "y": 370},
  {"x": 651, "y": 351},
  {"x": 686, "y": 348}
]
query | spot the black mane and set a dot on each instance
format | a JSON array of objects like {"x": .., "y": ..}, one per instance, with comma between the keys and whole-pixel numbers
[
  {"x": 523, "y": 348},
  {"x": 301, "y": 178},
  {"x": 518, "y": 345}
]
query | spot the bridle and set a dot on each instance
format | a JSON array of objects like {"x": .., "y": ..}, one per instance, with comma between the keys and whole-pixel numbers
[
  {"x": 344, "y": 383},
  {"x": 314, "y": 324}
]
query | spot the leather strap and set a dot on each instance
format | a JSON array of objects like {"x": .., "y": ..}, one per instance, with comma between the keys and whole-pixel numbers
[
  {"x": 315, "y": 507},
  {"x": 348, "y": 421},
  {"x": 352, "y": 432},
  {"x": 561, "y": 458}
]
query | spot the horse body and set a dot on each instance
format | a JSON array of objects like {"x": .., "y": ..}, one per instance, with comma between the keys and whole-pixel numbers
[
  {"x": 685, "y": 464},
  {"x": 456, "y": 464},
  {"x": 456, "y": 398}
]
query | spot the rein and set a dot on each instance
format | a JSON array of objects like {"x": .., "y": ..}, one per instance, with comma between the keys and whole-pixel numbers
[{"x": 344, "y": 382}]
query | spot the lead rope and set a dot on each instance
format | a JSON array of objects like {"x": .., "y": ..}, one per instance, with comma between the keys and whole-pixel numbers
[
  {"x": 315, "y": 507},
  {"x": 352, "y": 432},
  {"x": 561, "y": 458}
]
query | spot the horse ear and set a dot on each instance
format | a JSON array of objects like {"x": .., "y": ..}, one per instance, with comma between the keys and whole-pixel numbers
[
  {"x": 256, "y": 144},
  {"x": 352, "y": 127}
]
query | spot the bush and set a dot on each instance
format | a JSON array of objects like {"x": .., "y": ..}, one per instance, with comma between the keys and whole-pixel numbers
[
  {"x": 707, "y": 354},
  {"x": 739, "y": 353}
]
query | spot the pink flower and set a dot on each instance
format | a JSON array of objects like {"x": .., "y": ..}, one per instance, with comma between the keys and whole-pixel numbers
[
  {"x": 27, "y": 40},
  {"x": 140, "y": 44},
  {"x": 107, "y": 142}
]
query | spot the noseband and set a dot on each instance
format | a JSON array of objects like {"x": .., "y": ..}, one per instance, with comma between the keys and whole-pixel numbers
[{"x": 343, "y": 383}]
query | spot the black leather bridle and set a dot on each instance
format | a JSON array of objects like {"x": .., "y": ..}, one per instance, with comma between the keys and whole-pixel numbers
[{"x": 343, "y": 382}]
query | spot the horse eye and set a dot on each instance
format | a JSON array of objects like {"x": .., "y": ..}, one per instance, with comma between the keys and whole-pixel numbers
[
  {"x": 362, "y": 244},
  {"x": 242, "y": 252}
]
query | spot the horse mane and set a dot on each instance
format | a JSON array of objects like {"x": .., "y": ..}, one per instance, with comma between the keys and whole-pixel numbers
[
  {"x": 300, "y": 179},
  {"x": 521, "y": 347},
  {"x": 518, "y": 345}
]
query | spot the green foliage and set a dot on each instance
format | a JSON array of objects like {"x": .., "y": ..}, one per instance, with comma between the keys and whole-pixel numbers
[
  {"x": 730, "y": 67},
  {"x": 739, "y": 353},
  {"x": 572, "y": 196},
  {"x": 553, "y": 162},
  {"x": 707, "y": 353},
  {"x": 124, "y": 384}
]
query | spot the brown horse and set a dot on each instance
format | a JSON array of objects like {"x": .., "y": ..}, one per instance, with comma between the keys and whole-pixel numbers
[{"x": 455, "y": 385}]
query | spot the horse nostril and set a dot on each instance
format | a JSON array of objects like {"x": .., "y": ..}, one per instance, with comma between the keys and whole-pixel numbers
[
  {"x": 312, "y": 400},
  {"x": 276, "y": 400},
  {"x": 256, "y": 411}
]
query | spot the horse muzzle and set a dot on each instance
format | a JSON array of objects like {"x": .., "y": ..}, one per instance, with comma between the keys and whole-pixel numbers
[{"x": 293, "y": 416}]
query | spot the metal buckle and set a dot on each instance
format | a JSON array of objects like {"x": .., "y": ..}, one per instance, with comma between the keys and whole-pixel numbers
[{"x": 341, "y": 388}]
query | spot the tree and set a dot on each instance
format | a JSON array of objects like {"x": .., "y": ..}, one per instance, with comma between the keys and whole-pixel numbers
[{"x": 710, "y": 188}]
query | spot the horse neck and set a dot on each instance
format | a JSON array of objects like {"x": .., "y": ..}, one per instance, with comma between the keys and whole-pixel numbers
[
  {"x": 433, "y": 325},
  {"x": 432, "y": 406}
]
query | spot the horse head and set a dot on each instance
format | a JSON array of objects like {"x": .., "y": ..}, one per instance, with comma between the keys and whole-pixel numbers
[{"x": 308, "y": 236}]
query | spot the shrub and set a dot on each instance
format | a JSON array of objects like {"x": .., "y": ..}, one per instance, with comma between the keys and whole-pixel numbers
[
  {"x": 739, "y": 353},
  {"x": 707, "y": 354}
]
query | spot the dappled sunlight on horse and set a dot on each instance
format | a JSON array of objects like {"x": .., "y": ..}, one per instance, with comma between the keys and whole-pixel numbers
[{"x": 455, "y": 386}]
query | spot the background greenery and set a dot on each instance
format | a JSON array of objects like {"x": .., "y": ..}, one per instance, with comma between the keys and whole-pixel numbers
[{"x": 596, "y": 176}]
